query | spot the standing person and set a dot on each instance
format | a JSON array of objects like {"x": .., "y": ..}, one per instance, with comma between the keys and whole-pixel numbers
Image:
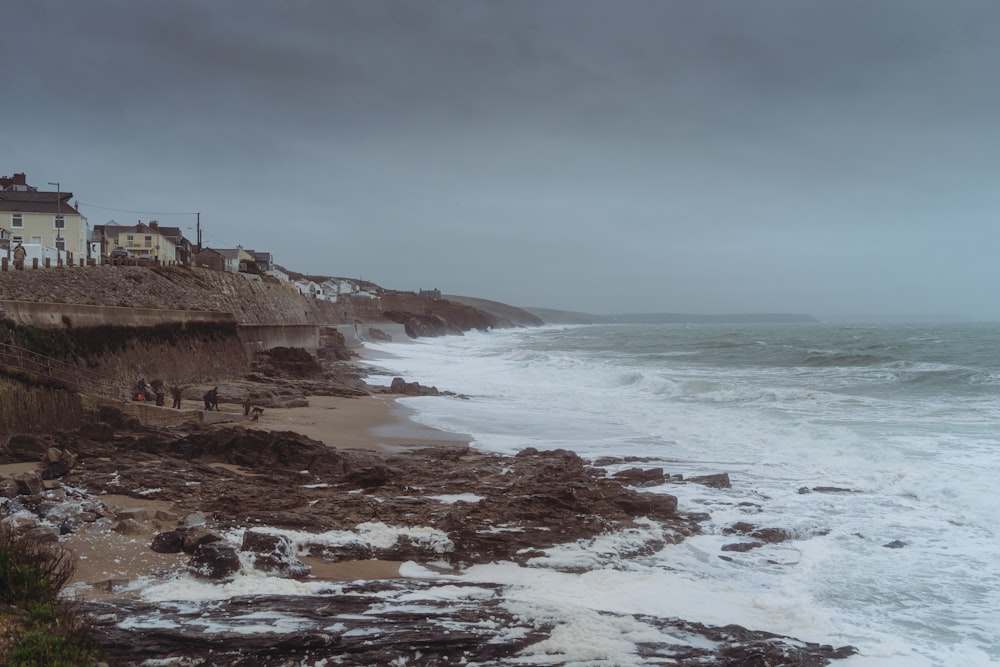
[
  {"x": 208, "y": 399},
  {"x": 215, "y": 398},
  {"x": 246, "y": 406},
  {"x": 19, "y": 254},
  {"x": 175, "y": 391},
  {"x": 141, "y": 390}
]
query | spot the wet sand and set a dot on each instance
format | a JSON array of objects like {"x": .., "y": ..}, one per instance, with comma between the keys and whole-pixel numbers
[{"x": 375, "y": 423}]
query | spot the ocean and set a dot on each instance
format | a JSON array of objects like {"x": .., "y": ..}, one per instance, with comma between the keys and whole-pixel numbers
[{"x": 874, "y": 447}]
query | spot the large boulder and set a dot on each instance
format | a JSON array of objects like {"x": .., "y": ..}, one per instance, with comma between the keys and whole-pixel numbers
[
  {"x": 214, "y": 560},
  {"x": 274, "y": 554},
  {"x": 29, "y": 483},
  {"x": 23, "y": 448}
]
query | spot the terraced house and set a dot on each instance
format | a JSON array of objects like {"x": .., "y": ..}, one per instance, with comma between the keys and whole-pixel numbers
[{"x": 41, "y": 219}]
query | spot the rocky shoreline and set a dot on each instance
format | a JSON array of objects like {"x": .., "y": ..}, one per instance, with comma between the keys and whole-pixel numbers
[{"x": 279, "y": 510}]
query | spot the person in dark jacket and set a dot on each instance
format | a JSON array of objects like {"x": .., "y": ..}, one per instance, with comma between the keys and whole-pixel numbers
[{"x": 212, "y": 399}]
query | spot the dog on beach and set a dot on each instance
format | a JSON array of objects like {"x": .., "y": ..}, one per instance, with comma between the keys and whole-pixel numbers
[{"x": 257, "y": 412}]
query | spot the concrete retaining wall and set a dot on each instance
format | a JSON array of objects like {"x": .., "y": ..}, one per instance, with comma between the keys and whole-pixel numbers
[
  {"x": 59, "y": 315},
  {"x": 257, "y": 337},
  {"x": 357, "y": 335}
]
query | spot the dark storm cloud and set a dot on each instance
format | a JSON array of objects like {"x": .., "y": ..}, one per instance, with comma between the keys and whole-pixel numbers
[{"x": 606, "y": 156}]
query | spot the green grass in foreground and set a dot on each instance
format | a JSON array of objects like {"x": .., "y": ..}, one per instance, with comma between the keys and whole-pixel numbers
[{"x": 38, "y": 630}]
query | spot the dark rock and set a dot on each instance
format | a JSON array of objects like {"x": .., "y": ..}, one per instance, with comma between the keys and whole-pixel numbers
[
  {"x": 23, "y": 448},
  {"x": 265, "y": 450},
  {"x": 214, "y": 560},
  {"x": 9, "y": 487},
  {"x": 274, "y": 554},
  {"x": 290, "y": 362},
  {"x": 832, "y": 489},
  {"x": 741, "y": 527},
  {"x": 401, "y": 386},
  {"x": 895, "y": 544},
  {"x": 137, "y": 514},
  {"x": 419, "y": 326},
  {"x": 640, "y": 477},
  {"x": 56, "y": 470},
  {"x": 197, "y": 536},
  {"x": 29, "y": 483},
  {"x": 129, "y": 527},
  {"x": 770, "y": 535},
  {"x": 766, "y": 535},
  {"x": 717, "y": 481},
  {"x": 480, "y": 631},
  {"x": 742, "y": 546},
  {"x": 99, "y": 431},
  {"x": 369, "y": 477},
  {"x": 171, "y": 542}
]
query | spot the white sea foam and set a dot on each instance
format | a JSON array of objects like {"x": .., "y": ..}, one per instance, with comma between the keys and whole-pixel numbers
[
  {"x": 903, "y": 420},
  {"x": 452, "y": 498}
]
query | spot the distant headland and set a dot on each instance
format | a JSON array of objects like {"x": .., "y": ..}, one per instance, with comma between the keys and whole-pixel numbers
[{"x": 534, "y": 316}]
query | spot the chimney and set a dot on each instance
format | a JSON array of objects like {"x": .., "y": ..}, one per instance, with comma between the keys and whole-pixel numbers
[{"x": 8, "y": 182}]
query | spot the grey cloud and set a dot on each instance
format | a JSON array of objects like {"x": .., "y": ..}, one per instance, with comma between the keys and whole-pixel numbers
[{"x": 628, "y": 155}]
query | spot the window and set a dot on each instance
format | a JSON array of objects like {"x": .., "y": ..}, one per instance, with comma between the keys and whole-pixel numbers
[
  {"x": 149, "y": 241},
  {"x": 60, "y": 222},
  {"x": 60, "y": 243},
  {"x": 16, "y": 221},
  {"x": 129, "y": 240},
  {"x": 17, "y": 239}
]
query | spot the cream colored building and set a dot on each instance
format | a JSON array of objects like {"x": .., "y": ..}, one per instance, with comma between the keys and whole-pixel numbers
[
  {"x": 46, "y": 219},
  {"x": 140, "y": 239}
]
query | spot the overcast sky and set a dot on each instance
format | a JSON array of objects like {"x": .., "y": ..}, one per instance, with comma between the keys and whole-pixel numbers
[{"x": 836, "y": 157}]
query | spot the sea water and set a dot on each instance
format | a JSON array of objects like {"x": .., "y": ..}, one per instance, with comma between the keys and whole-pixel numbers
[{"x": 898, "y": 556}]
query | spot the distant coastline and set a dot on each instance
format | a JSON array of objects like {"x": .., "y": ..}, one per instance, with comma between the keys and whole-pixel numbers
[{"x": 551, "y": 316}]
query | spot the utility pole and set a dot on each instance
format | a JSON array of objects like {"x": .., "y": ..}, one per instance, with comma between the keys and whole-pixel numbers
[
  {"x": 58, "y": 214},
  {"x": 199, "y": 232}
]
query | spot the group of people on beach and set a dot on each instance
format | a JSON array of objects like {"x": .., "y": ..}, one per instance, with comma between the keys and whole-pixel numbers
[{"x": 154, "y": 392}]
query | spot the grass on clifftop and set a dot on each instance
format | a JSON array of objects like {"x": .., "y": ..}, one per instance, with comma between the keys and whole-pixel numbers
[{"x": 36, "y": 629}]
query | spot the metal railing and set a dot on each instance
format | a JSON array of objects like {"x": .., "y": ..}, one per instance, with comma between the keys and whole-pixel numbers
[{"x": 73, "y": 377}]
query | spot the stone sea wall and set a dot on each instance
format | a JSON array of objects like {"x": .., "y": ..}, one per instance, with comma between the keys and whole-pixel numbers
[
  {"x": 174, "y": 288},
  {"x": 29, "y": 408}
]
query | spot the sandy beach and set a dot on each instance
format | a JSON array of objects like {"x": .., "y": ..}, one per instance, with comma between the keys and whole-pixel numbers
[{"x": 375, "y": 423}]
